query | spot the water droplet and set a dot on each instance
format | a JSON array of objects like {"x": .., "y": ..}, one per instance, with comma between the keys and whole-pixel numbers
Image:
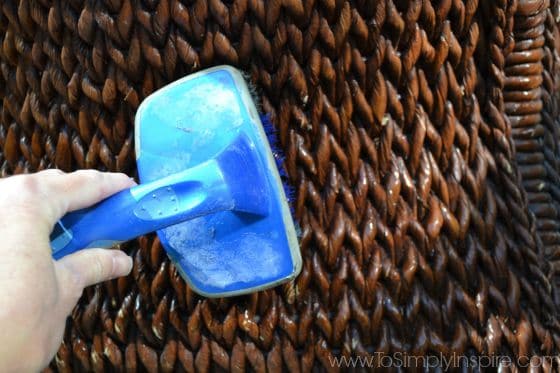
[
  {"x": 173, "y": 198},
  {"x": 169, "y": 189},
  {"x": 160, "y": 213},
  {"x": 153, "y": 196}
]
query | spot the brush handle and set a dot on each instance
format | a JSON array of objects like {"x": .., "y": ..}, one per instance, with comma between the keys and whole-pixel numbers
[{"x": 142, "y": 209}]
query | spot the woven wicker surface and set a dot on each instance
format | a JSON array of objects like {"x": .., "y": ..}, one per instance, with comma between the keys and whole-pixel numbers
[{"x": 421, "y": 139}]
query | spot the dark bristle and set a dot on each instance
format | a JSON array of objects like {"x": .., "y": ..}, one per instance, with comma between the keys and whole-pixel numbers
[
  {"x": 279, "y": 158},
  {"x": 281, "y": 171},
  {"x": 267, "y": 124},
  {"x": 290, "y": 193},
  {"x": 272, "y": 135},
  {"x": 290, "y": 197}
]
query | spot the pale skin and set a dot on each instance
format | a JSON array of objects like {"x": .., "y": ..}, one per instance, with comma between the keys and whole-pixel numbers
[{"x": 37, "y": 293}]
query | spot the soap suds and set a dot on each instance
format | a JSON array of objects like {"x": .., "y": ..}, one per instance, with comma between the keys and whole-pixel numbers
[{"x": 248, "y": 259}]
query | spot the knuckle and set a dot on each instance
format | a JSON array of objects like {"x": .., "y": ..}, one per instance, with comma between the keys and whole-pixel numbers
[
  {"x": 102, "y": 268},
  {"x": 91, "y": 177},
  {"x": 29, "y": 184},
  {"x": 25, "y": 190},
  {"x": 51, "y": 172},
  {"x": 98, "y": 269}
]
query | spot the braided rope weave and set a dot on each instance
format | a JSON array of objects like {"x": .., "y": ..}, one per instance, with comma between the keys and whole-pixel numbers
[{"x": 421, "y": 138}]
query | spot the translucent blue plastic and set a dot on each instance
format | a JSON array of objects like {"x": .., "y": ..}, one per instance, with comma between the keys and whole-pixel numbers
[{"x": 209, "y": 186}]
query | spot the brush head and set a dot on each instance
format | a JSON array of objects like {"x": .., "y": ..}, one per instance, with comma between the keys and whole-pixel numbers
[{"x": 199, "y": 118}]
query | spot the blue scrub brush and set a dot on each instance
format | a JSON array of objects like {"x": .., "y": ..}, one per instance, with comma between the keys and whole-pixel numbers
[{"x": 211, "y": 185}]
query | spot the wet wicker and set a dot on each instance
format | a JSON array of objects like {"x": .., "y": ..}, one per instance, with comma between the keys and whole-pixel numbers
[{"x": 421, "y": 137}]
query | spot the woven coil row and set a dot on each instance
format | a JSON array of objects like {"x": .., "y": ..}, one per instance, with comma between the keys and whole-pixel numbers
[
  {"x": 531, "y": 102},
  {"x": 421, "y": 138}
]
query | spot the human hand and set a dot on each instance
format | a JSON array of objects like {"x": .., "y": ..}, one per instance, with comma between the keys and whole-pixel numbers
[{"x": 37, "y": 293}]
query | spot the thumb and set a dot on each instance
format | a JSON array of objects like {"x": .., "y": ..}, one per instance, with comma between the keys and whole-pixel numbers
[{"x": 91, "y": 266}]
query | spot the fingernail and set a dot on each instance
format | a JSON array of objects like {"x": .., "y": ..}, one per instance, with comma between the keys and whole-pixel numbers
[{"x": 122, "y": 264}]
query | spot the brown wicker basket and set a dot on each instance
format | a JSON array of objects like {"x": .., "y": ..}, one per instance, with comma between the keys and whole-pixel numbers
[{"x": 421, "y": 137}]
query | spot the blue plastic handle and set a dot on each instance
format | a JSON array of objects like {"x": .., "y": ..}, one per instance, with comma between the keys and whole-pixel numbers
[
  {"x": 143, "y": 209},
  {"x": 234, "y": 180}
]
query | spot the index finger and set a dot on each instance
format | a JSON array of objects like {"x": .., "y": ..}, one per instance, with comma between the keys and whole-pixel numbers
[{"x": 67, "y": 192}]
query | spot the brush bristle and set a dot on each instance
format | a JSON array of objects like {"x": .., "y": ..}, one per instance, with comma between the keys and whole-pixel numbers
[
  {"x": 279, "y": 158},
  {"x": 272, "y": 135},
  {"x": 255, "y": 94}
]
